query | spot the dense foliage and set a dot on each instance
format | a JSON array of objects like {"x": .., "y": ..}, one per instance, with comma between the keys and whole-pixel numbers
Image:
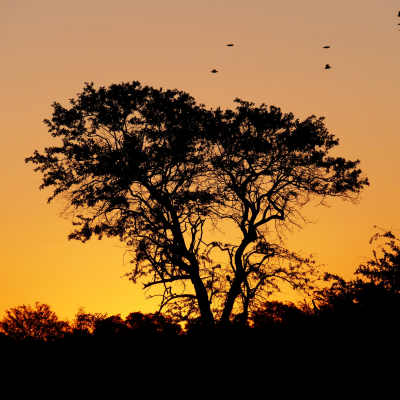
[{"x": 38, "y": 323}]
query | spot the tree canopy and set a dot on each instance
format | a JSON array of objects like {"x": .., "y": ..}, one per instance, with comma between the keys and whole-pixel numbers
[
  {"x": 153, "y": 168},
  {"x": 39, "y": 323},
  {"x": 383, "y": 269},
  {"x": 375, "y": 289}
]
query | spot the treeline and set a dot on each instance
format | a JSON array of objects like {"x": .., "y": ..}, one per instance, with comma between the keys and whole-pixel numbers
[
  {"x": 368, "y": 304},
  {"x": 346, "y": 333},
  {"x": 40, "y": 323}
]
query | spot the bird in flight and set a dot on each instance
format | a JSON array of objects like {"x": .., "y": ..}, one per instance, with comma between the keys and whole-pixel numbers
[
  {"x": 326, "y": 47},
  {"x": 327, "y": 66},
  {"x": 214, "y": 71},
  {"x": 229, "y": 45}
]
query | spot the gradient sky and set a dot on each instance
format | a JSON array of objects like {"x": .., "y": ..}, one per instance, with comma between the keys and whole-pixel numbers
[{"x": 49, "y": 48}]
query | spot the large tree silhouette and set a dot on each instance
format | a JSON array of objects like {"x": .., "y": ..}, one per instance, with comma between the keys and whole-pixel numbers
[{"x": 152, "y": 167}]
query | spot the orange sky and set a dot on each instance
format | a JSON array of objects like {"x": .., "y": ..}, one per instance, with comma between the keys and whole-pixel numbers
[{"x": 50, "y": 48}]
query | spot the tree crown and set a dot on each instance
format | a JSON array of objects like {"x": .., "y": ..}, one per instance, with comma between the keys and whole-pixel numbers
[{"x": 39, "y": 323}]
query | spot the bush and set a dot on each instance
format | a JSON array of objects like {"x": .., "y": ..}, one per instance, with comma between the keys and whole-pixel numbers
[{"x": 38, "y": 323}]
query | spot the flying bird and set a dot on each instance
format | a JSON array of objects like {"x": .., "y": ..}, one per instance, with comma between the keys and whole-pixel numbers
[
  {"x": 326, "y": 47},
  {"x": 214, "y": 71},
  {"x": 229, "y": 45},
  {"x": 327, "y": 66}
]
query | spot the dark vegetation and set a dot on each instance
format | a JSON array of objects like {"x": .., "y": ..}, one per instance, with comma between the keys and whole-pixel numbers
[
  {"x": 371, "y": 301},
  {"x": 158, "y": 171},
  {"x": 349, "y": 329}
]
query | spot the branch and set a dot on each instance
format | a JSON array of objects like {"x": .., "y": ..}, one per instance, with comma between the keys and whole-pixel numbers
[{"x": 175, "y": 278}]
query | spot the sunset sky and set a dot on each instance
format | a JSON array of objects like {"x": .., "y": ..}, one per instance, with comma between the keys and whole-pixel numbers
[{"x": 50, "y": 48}]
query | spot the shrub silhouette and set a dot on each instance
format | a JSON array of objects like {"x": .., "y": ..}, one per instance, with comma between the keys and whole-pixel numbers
[
  {"x": 39, "y": 323},
  {"x": 370, "y": 301},
  {"x": 274, "y": 313},
  {"x": 110, "y": 327},
  {"x": 383, "y": 270},
  {"x": 150, "y": 324},
  {"x": 86, "y": 322}
]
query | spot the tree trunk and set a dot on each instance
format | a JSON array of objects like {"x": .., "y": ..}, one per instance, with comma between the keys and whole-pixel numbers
[
  {"x": 239, "y": 278},
  {"x": 207, "y": 318}
]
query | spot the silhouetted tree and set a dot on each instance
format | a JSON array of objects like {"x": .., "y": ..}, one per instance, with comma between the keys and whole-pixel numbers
[
  {"x": 274, "y": 313},
  {"x": 373, "y": 297},
  {"x": 86, "y": 322},
  {"x": 39, "y": 323},
  {"x": 384, "y": 269},
  {"x": 152, "y": 168},
  {"x": 150, "y": 324},
  {"x": 339, "y": 295},
  {"x": 110, "y": 327}
]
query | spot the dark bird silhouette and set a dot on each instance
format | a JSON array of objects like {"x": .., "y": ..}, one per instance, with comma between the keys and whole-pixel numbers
[
  {"x": 327, "y": 66},
  {"x": 326, "y": 47},
  {"x": 229, "y": 45},
  {"x": 214, "y": 71},
  {"x": 399, "y": 14}
]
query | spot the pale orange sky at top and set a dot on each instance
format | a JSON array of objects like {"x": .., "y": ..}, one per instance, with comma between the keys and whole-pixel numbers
[{"x": 50, "y": 48}]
